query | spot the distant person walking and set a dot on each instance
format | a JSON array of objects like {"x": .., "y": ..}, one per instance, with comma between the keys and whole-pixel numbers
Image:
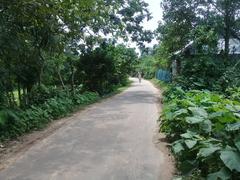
[{"x": 139, "y": 77}]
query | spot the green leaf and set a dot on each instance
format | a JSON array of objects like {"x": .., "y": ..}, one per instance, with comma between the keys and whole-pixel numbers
[
  {"x": 194, "y": 120},
  {"x": 231, "y": 159},
  {"x": 205, "y": 152},
  {"x": 230, "y": 108},
  {"x": 237, "y": 142},
  {"x": 233, "y": 127},
  {"x": 179, "y": 112},
  {"x": 197, "y": 111},
  {"x": 190, "y": 143},
  {"x": 216, "y": 115},
  {"x": 223, "y": 174},
  {"x": 207, "y": 126},
  {"x": 177, "y": 147},
  {"x": 237, "y": 115},
  {"x": 228, "y": 117},
  {"x": 189, "y": 134},
  {"x": 187, "y": 166}
]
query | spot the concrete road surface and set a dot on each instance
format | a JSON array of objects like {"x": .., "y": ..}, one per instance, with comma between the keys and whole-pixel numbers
[{"x": 111, "y": 140}]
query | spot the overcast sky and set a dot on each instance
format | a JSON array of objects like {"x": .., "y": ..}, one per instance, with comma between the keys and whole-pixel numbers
[{"x": 156, "y": 11}]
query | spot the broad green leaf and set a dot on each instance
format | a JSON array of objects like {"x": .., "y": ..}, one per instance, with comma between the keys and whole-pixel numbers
[
  {"x": 233, "y": 127},
  {"x": 216, "y": 115},
  {"x": 219, "y": 126},
  {"x": 189, "y": 134},
  {"x": 228, "y": 117},
  {"x": 179, "y": 112},
  {"x": 194, "y": 120},
  {"x": 223, "y": 174},
  {"x": 237, "y": 142},
  {"x": 205, "y": 152},
  {"x": 197, "y": 111},
  {"x": 237, "y": 115},
  {"x": 190, "y": 143},
  {"x": 231, "y": 159},
  {"x": 207, "y": 126},
  {"x": 186, "y": 135},
  {"x": 177, "y": 147},
  {"x": 188, "y": 165}
]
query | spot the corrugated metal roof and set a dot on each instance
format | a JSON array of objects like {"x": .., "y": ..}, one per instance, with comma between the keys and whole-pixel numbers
[
  {"x": 185, "y": 47},
  {"x": 234, "y": 46}
]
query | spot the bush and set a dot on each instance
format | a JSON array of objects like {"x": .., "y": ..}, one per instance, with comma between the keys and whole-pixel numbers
[
  {"x": 148, "y": 66},
  {"x": 204, "y": 130},
  {"x": 201, "y": 72},
  {"x": 39, "y": 94},
  {"x": 104, "y": 68},
  {"x": 14, "y": 123},
  {"x": 10, "y": 124},
  {"x": 234, "y": 93},
  {"x": 231, "y": 77}
]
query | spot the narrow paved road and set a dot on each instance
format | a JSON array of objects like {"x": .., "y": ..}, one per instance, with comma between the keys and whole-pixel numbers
[{"x": 111, "y": 140}]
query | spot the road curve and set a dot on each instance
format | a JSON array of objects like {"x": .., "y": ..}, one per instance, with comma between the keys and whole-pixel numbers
[{"x": 111, "y": 140}]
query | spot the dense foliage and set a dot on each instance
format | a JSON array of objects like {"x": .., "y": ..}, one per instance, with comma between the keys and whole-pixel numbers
[
  {"x": 52, "y": 53},
  {"x": 148, "y": 66},
  {"x": 208, "y": 26},
  {"x": 14, "y": 123},
  {"x": 41, "y": 41},
  {"x": 204, "y": 130},
  {"x": 201, "y": 109},
  {"x": 202, "y": 72},
  {"x": 105, "y": 67}
]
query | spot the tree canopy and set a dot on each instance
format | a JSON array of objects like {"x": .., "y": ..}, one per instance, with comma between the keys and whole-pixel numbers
[{"x": 41, "y": 38}]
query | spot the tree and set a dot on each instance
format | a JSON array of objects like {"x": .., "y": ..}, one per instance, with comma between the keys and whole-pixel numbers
[
  {"x": 35, "y": 32},
  {"x": 226, "y": 11},
  {"x": 181, "y": 18},
  {"x": 105, "y": 67}
]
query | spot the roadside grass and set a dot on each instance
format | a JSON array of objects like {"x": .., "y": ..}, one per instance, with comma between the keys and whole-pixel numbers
[
  {"x": 15, "y": 123},
  {"x": 118, "y": 90},
  {"x": 160, "y": 84}
]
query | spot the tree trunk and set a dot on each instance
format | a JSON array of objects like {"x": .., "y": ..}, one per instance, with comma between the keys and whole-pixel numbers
[
  {"x": 24, "y": 97},
  {"x": 60, "y": 78},
  {"x": 72, "y": 79},
  {"x": 42, "y": 67},
  {"x": 19, "y": 94},
  {"x": 227, "y": 28},
  {"x": 13, "y": 98}
]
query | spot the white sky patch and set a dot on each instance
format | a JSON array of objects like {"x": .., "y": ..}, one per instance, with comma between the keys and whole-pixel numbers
[{"x": 157, "y": 14}]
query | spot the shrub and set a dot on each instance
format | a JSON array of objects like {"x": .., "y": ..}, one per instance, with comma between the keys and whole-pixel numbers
[
  {"x": 204, "y": 130},
  {"x": 201, "y": 72},
  {"x": 10, "y": 124},
  {"x": 14, "y": 123},
  {"x": 39, "y": 94},
  {"x": 234, "y": 93}
]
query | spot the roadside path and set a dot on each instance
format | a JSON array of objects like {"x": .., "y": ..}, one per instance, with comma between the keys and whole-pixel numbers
[{"x": 112, "y": 140}]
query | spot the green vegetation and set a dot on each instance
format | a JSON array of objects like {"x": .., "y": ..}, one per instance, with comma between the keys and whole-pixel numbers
[
  {"x": 58, "y": 55},
  {"x": 160, "y": 84},
  {"x": 200, "y": 36},
  {"x": 201, "y": 115},
  {"x": 148, "y": 66},
  {"x": 204, "y": 130},
  {"x": 17, "y": 122}
]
